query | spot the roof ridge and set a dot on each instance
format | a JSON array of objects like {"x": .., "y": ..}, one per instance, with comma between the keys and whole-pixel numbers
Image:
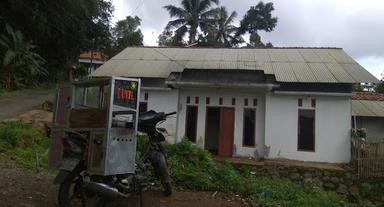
[{"x": 202, "y": 47}]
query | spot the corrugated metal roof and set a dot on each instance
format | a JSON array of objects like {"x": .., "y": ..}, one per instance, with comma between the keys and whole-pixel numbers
[
  {"x": 283, "y": 72},
  {"x": 321, "y": 72},
  {"x": 368, "y": 108},
  {"x": 312, "y": 65},
  {"x": 303, "y": 72}
]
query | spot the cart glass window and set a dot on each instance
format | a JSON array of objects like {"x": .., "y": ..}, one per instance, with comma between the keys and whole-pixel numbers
[{"x": 88, "y": 97}]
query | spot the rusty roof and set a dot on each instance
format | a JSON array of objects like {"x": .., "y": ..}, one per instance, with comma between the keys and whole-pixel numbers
[
  {"x": 369, "y": 96},
  {"x": 368, "y": 104}
]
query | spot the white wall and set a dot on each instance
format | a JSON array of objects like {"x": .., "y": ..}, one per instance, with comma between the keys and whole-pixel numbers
[
  {"x": 227, "y": 96},
  {"x": 276, "y": 122},
  {"x": 332, "y": 128},
  {"x": 374, "y": 126},
  {"x": 163, "y": 101}
]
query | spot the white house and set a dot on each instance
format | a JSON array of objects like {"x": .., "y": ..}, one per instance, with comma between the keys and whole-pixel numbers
[
  {"x": 368, "y": 113},
  {"x": 292, "y": 103}
]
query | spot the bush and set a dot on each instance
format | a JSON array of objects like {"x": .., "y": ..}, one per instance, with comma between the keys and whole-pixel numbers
[
  {"x": 193, "y": 168},
  {"x": 2, "y": 92},
  {"x": 21, "y": 142}
]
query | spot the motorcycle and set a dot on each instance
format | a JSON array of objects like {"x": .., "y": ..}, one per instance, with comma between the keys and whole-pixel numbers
[{"x": 78, "y": 188}]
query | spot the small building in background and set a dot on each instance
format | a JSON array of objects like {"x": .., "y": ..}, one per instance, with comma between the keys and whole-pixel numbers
[
  {"x": 368, "y": 113},
  {"x": 92, "y": 60}
]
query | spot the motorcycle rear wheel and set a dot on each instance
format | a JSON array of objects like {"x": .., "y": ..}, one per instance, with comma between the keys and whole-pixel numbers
[
  {"x": 70, "y": 191},
  {"x": 72, "y": 194}
]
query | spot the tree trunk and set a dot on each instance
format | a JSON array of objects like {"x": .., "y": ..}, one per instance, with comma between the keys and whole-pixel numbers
[{"x": 192, "y": 34}]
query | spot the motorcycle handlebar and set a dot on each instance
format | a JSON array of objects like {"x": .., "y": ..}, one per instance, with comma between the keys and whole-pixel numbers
[{"x": 172, "y": 113}]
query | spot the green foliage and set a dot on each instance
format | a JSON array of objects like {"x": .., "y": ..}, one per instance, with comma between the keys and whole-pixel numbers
[
  {"x": 193, "y": 168},
  {"x": 213, "y": 26},
  {"x": 221, "y": 32},
  {"x": 168, "y": 38},
  {"x": 21, "y": 142},
  {"x": 80, "y": 72},
  {"x": 126, "y": 33},
  {"x": 379, "y": 88},
  {"x": 258, "y": 18},
  {"x": 192, "y": 14},
  {"x": 2, "y": 92},
  {"x": 21, "y": 65},
  {"x": 372, "y": 190},
  {"x": 60, "y": 29},
  {"x": 358, "y": 87}
]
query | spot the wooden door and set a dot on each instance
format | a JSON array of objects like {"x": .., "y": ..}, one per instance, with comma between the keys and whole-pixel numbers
[{"x": 227, "y": 118}]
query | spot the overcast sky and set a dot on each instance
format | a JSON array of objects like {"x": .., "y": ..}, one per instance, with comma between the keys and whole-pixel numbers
[{"x": 355, "y": 25}]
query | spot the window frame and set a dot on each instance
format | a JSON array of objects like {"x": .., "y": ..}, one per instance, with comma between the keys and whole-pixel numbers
[
  {"x": 254, "y": 133},
  {"x": 314, "y": 130}
]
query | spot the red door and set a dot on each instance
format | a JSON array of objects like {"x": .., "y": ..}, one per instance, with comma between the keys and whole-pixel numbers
[{"x": 227, "y": 118}]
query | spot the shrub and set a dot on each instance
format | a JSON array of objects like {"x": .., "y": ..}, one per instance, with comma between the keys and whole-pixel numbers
[
  {"x": 22, "y": 141},
  {"x": 193, "y": 168}
]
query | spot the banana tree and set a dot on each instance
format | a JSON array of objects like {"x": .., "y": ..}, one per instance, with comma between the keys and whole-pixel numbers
[{"x": 21, "y": 66}]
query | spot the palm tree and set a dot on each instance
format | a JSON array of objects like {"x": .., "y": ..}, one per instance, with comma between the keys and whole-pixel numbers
[
  {"x": 225, "y": 31},
  {"x": 20, "y": 65},
  {"x": 192, "y": 15}
]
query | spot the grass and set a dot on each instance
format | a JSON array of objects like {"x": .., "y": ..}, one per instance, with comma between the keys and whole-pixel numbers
[
  {"x": 21, "y": 142},
  {"x": 194, "y": 169},
  {"x": 191, "y": 168}
]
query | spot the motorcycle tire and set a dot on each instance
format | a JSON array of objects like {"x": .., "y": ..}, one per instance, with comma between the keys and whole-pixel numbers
[
  {"x": 160, "y": 166},
  {"x": 85, "y": 199},
  {"x": 64, "y": 197}
]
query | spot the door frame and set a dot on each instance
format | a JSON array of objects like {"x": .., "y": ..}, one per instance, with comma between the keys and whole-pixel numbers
[
  {"x": 206, "y": 125},
  {"x": 196, "y": 122}
]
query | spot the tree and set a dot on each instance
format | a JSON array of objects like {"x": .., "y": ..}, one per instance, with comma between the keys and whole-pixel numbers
[
  {"x": 221, "y": 31},
  {"x": 255, "y": 41},
  {"x": 225, "y": 30},
  {"x": 21, "y": 66},
  {"x": 357, "y": 87},
  {"x": 192, "y": 15},
  {"x": 60, "y": 29},
  {"x": 126, "y": 33},
  {"x": 379, "y": 88},
  {"x": 168, "y": 38},
  {"x": 257, "y": 18}
]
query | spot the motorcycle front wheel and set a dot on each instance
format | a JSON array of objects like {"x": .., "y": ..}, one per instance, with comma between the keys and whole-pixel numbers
[{"x": 160, "y": 166}]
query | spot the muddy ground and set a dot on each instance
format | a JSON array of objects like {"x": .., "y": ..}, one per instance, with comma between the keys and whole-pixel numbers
[{"x": 26, "y": 188}]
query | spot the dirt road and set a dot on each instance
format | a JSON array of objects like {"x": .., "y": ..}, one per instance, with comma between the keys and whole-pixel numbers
[
  {"x": 14, "y": 105},
  {"x": 25, "y": 188}
]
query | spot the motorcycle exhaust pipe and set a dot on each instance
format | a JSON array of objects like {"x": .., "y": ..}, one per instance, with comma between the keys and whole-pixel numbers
[{"x": 103, "y": 189}]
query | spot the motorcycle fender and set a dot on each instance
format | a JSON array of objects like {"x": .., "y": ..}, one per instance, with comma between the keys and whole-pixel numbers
[{"x": 60, "y": 177}]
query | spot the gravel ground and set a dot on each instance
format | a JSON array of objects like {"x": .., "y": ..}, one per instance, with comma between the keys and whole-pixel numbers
[{"x": 26, "y": 188}]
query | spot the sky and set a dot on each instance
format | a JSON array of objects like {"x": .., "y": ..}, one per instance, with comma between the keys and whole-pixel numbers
[{"x": 357, "y": 26}]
